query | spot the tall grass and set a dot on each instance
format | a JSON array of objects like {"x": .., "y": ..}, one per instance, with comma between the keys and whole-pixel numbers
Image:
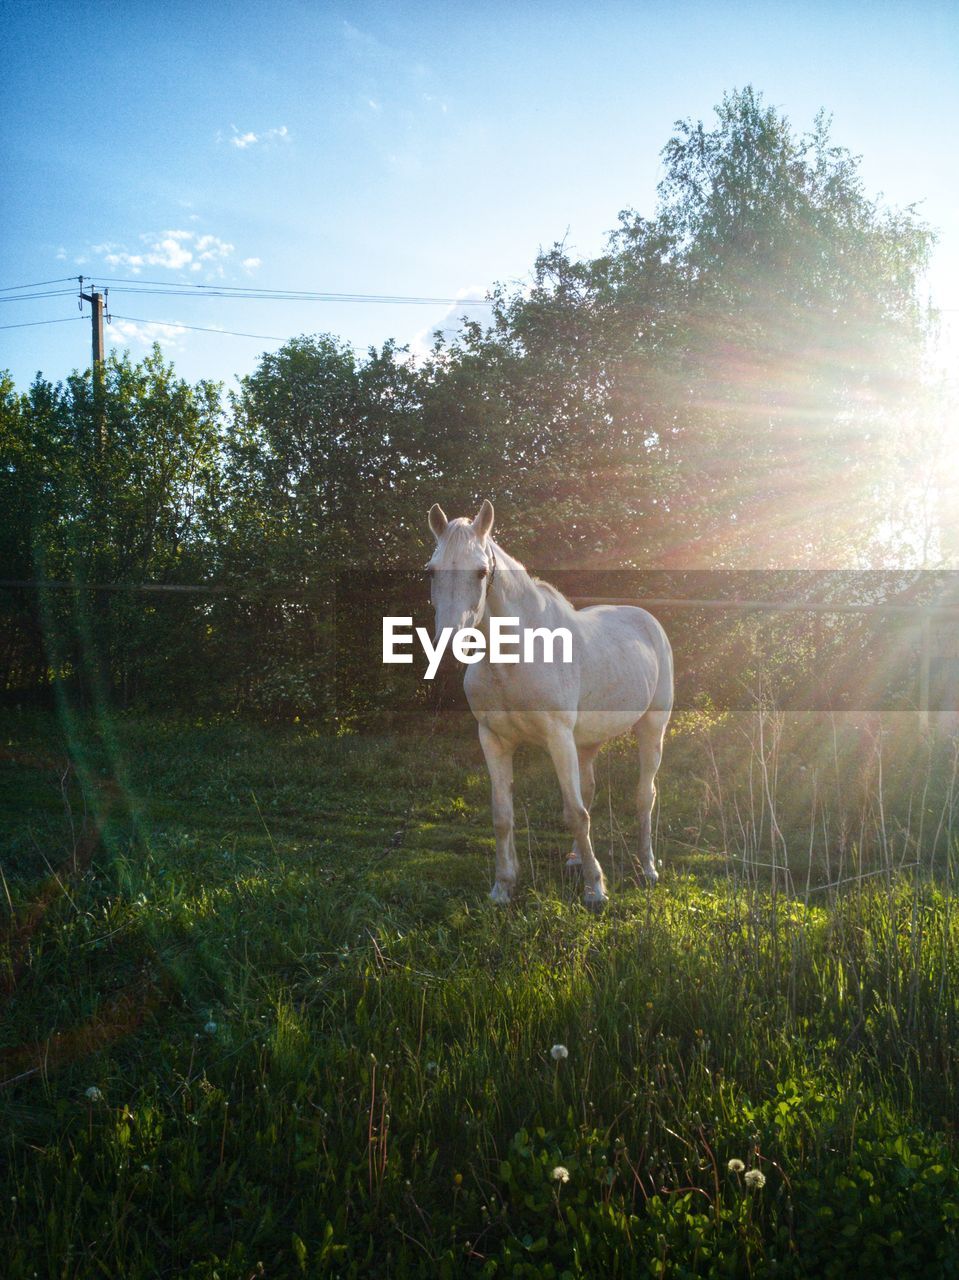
[{"x": 271, "y": 1026}]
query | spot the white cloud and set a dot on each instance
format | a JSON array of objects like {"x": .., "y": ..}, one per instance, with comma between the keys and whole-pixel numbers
[
  {"x": 250, "y": 139},
  {"x": 132, "y": 260},
  {"x": 212, "y": 248},
  {"x": 130, "y": 332},
  {"x": 169, "y": 252},
  {"x": 61, "y": 254},
  {"x": 251, "y": 264},
  {"x": 449, "y": 326},
  {"x": 175, "y": 250}
]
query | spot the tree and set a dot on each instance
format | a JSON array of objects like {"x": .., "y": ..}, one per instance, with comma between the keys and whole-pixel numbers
[
  {"x": 560, "y": 408},
  {"x": 726, "y": 385},
  {"x": 806, "y": 337},
  {"x": 322, "y": 445},
  {"x": 324, "y": 453},
  {"x": 735, "y": 381},
  {"x": 135, "y": 509}
]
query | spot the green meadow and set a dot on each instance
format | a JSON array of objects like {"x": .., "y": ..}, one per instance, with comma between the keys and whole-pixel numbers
[{"x": 259, "y": 1019}]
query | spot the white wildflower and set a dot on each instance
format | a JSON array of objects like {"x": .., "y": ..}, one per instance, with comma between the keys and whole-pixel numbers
[
  {"x": 755, "y": 1178},
  {"x": 558, "y": 1052},
  {"x": 560, "y": 1174},
  {"x": 735, "y": 1166}
]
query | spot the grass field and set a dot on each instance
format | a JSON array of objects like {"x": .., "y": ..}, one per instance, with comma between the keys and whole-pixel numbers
[{"x": 260, "y": 1020}]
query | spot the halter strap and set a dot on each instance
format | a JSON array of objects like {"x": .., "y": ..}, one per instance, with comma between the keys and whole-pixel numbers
[{"x": 492, "y": 571}]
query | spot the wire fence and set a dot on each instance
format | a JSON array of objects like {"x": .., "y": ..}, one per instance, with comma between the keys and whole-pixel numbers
[{"x": 936, "y": 662}]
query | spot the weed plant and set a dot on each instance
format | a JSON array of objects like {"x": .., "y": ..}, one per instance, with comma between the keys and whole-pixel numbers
[{"x": 258, "y": 1018}]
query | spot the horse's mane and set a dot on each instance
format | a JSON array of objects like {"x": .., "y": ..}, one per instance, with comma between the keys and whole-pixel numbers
[
  {"x": 550, "y": 590},
  {"x": 510, "y": 564}
]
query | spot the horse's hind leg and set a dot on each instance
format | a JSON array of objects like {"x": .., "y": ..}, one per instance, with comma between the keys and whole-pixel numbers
[
  {"x": 587, "y": 784},
  {"x": 649, "y": 733}
]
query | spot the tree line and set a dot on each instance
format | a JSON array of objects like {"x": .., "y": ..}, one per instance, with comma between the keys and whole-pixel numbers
[{"x": 737, "y": 381}]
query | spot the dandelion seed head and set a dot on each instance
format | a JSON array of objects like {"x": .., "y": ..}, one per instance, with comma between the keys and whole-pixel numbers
[
  {"x": 210, "y": 1028},
  {"x": 558, "y": 1052},
  {"x": 93, "y": 1094},
  {"x": 735, "y": 1166},
  {"x": 560, "y": 1174},
  {"x": 755, "y": 1178}
]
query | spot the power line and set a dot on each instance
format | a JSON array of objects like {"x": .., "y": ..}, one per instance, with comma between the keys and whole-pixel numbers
[
  {"x": 175, "y": 288},
  {"x": 30, "y": 324},
  {"x": 280, "y": 295},
  {"x": 48, "y": 293},
  {"x": 183, "y": 288},
  {"x": 175, "y": 324},
  {"x": 35, "y": 284},
  {"x": 254, "y": 291}
]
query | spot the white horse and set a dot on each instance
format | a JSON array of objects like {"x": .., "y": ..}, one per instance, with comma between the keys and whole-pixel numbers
[{"x": 620, "y": 678}]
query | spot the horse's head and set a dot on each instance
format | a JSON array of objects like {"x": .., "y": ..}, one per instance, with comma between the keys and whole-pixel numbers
[{"x": 459, "y": 568}]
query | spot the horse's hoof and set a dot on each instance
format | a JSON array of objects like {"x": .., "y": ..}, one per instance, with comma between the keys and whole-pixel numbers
[{"x": 500, "y": 895}]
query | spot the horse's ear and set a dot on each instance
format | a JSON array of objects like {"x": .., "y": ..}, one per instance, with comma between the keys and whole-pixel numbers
[
  {"x": 438, "y": 521},
  {"x": 484, "y": 519}
]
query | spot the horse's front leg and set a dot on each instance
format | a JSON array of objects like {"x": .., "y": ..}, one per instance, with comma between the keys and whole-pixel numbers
[
  {"x": 562, "y": 748},
  {"x": 499, "y": 761}
]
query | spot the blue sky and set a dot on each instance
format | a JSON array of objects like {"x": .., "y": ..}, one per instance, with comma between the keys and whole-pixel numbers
[{"x": 404, "y": 149}]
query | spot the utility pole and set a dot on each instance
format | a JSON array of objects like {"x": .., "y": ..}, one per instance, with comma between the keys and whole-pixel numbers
[
  {"x": 97, "y": 301},
  {"x": 97, "y": 626}
]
